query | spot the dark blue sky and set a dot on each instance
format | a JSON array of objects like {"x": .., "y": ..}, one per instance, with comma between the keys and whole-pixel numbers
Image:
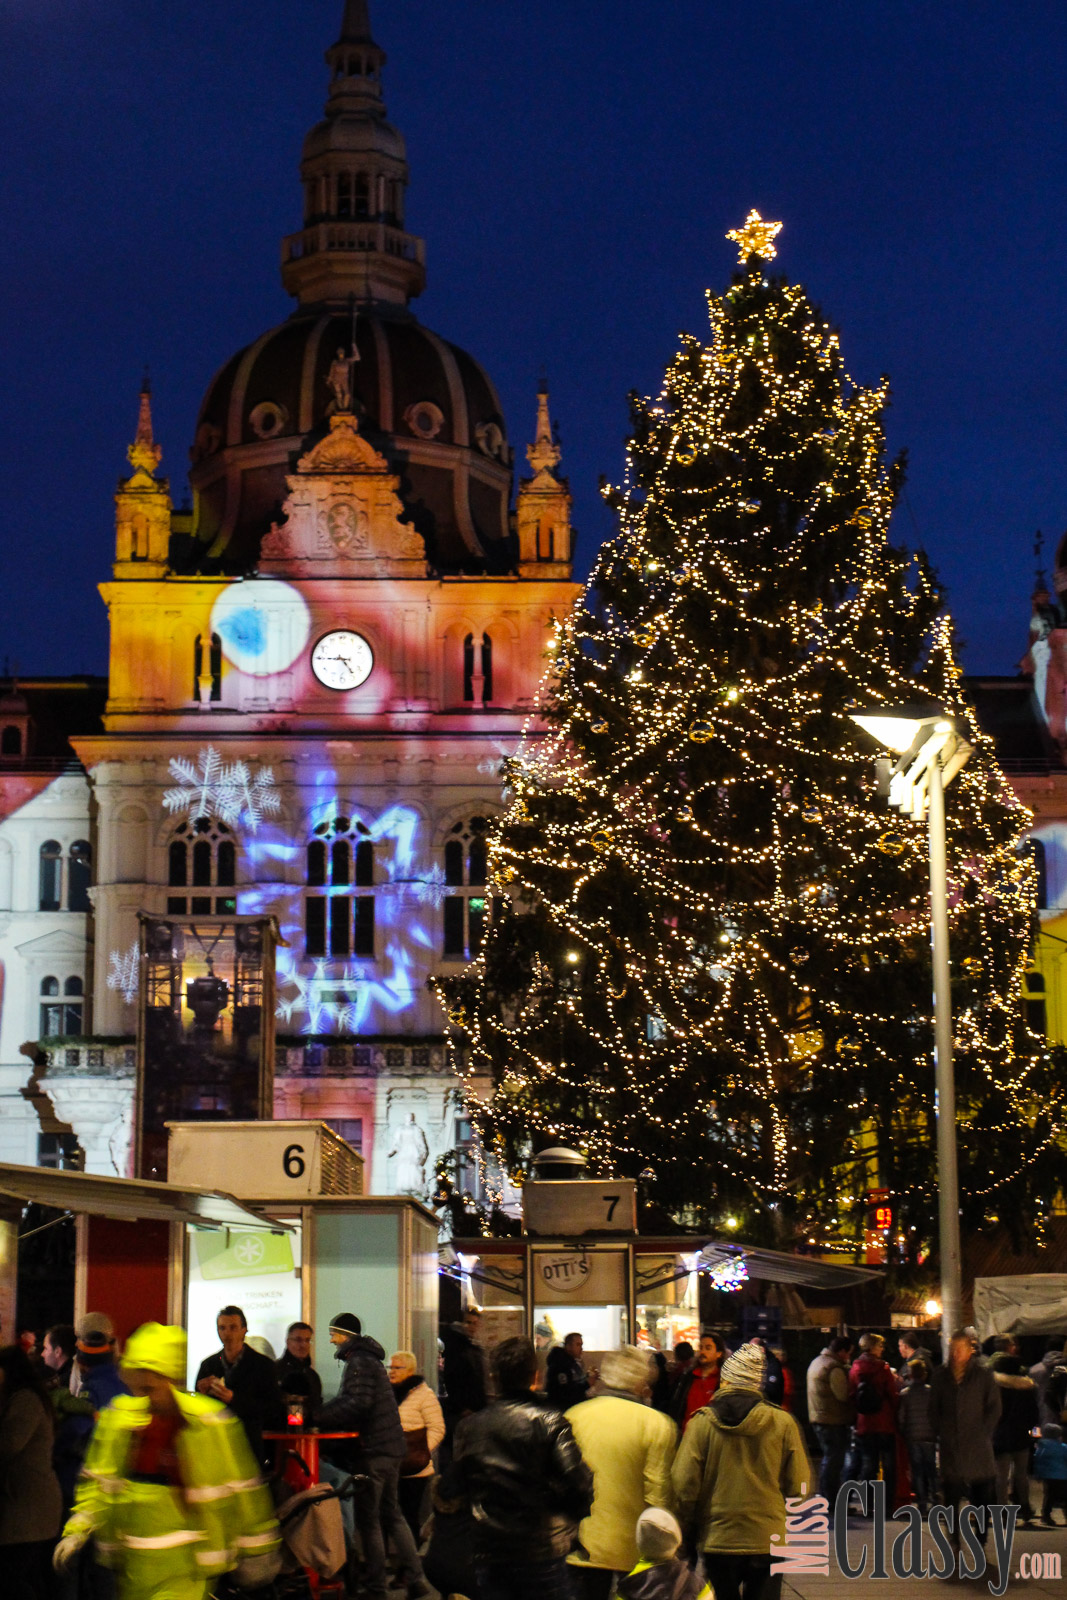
[{"x": 575, "y": 165}]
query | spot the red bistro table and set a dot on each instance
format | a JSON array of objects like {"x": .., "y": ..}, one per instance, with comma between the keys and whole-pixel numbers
[{"x": 305, "y": 1443}]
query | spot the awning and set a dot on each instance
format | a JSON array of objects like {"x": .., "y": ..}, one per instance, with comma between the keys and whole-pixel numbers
[
  {"x": 130, "y": 1199},
  {"x": 776, "y": 1266}
]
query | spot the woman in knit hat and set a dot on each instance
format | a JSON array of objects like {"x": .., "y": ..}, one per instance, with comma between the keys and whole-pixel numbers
[{"x": 740, "y": 1459}]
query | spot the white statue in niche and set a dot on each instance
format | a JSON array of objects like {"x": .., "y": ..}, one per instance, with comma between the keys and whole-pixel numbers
[{"x": 412, "y": 1153}]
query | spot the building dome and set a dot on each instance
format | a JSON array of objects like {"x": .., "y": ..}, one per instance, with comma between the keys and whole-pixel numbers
[
  {"x": 424, "y": 403},
  {"x": 427, "y": 405}
]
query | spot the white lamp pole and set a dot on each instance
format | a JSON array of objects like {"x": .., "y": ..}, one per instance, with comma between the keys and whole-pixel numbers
[{"x": 931, "y": 752}]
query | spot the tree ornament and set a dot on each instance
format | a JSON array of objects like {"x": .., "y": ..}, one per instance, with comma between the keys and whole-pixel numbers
[
  {"x": 599, "y": 727},
  {"x": 892, "y": 844},
  {"x": 601, "y": 840},
  {"x": 685, "y": 814},
  {"x": 798, "y": 955},
  {"x": 458, "y": 1017},
  {"x": 700, "y": 732},
  {"x": 849, "y": 1046},
  {"x": 812, "y": 815},
  {"x": 755, "y": 238}
]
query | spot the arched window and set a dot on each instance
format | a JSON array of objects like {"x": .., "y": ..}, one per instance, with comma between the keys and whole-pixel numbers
[
  {"x": 202, "y": 856},
  {"x": 51, "y": 876},
  {"x": 362, "y": 195},
  {"x": 11, "y": 740},
  {"x": 337, "y": 921},
  {"x": 79, "y": 875},
  {"x": 344, "y": 195},
  {"x": 466, "y": 869},
  {"x": 61, "y": 1016},
  {"x": 477, "y": 670},
  {"x": 203, "y": 692}
]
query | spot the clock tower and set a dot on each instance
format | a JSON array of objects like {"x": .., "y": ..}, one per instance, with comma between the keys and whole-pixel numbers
[{"x": 316, "y": 675}]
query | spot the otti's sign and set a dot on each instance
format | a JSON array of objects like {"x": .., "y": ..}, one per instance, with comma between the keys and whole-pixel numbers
[{"x": 564, "y": 1272}]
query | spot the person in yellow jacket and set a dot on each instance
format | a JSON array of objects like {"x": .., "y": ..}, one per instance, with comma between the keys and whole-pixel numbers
[{"x": 169, "y": 1489}]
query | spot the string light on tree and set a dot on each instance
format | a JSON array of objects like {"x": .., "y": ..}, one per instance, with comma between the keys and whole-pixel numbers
[{"x": 751, "y": 1011}]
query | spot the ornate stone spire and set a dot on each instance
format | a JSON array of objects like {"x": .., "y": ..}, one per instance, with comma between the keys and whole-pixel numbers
[
  {"x": 543, "y": 509},
  {"x": 544, "y": 454},
  {"x": 142, "y": 504},
  {"x": 355, "y": 173}
]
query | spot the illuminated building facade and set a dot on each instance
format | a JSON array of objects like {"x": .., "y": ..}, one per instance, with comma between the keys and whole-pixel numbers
[{"x": 315, "y": 674}]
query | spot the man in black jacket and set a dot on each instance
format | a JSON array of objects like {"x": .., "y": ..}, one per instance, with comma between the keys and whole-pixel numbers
[
  {"x": 566, "y": 1380},
  {"x": 242, "y": 1379},
  {"x": 528, "y": 1486},
  {"x": 365, "y": 1405},
  {"x": 296, "y": 1375}
]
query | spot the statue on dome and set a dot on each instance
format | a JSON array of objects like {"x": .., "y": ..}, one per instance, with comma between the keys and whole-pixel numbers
[{"x": 339, "y": 380}]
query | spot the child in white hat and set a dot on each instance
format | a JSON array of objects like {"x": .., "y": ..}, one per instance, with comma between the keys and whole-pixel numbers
[{"x": 659, "y": 1574}]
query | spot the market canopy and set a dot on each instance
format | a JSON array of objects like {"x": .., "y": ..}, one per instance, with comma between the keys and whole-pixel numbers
[
  {"x": 130, "y": 1199},
  {"x": 776, "y": 1266}
]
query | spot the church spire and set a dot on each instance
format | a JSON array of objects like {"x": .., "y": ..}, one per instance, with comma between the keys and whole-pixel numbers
[
  {"x": 353, "y": 246},
  {"x": 142, "y": 504},
  {"x": 543, "y": 508}
]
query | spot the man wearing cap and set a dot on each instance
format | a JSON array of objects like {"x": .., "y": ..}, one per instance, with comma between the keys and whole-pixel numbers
[
  {"x": 739, "y": 1460},
  {"x": 365, "y": 1405},
  {"x": 95, "y": 1383},
  {"x": 170, "y": 1490}
]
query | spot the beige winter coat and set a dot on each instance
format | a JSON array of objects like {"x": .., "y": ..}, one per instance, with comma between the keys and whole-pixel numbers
[
  {"x": 629, "y": 1449},
  {"x": 420, "y": 1408}
]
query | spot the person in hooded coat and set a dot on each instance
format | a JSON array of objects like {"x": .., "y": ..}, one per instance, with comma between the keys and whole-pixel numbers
[
  {"x": 740, "y": 1459},
  {"x": 365, "y": 1405}
]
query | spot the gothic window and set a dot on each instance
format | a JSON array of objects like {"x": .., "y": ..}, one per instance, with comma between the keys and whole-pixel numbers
[
  {"x": 51, "y": 876},
  {"x": 466, "y": 870},
  {"x": 344, "y": 195},
  {"x": 79, "y": 875},
  {"x": 61, "y": 1015},
  {"x": 339, "y": 921},
  {"x": 214, "y": 668},
  {"x": 202, "y": 857},
  {"x": 478, "y": 687},
  {"x": 11, "y": 740}
]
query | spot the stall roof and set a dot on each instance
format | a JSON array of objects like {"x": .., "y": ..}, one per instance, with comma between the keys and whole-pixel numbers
[
  {"x": 129, "y": 1199},
  {"x": 777, "y": 1266}
]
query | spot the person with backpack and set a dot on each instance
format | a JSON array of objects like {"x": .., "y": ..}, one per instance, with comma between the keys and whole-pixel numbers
[{"x": 872, "y": 1388}]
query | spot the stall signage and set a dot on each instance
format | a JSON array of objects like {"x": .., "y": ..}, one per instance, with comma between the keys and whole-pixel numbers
[
  {"x": 565, "y": 1272},
  {"x": 580, "y": 1206}
]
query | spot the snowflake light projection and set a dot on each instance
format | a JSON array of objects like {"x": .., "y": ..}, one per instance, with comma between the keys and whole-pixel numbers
[
  {"x": 125, "y": 972},
  {"x": 231, "y": 792}
]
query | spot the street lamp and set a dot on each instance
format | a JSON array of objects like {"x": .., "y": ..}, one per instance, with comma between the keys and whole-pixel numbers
[{"x": 930, "y": 750}]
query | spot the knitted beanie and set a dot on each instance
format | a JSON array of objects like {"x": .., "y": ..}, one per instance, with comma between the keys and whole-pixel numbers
[
  {"x": 346, "y": 1323},
  {"x": 93, "y": 1348},
  {"x": 658, "y": 1534},
  {"x": 744, "y": 1369}
]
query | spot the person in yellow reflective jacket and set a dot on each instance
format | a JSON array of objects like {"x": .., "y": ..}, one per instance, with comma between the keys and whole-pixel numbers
[
  {"x": 659, "y": 1574},
  {"x": 169, "y": 1489}
]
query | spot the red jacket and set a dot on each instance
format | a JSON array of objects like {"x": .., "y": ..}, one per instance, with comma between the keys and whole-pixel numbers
[{"x": 881, "y": 1374}]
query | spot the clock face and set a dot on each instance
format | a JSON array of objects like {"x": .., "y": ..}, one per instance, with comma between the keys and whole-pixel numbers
[{"x": 342, "y": 660}]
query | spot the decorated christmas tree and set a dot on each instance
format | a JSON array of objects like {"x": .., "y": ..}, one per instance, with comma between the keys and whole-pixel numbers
[{"x": 708, "y": 950}]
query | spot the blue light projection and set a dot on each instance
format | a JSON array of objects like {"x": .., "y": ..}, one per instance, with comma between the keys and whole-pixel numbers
[
  {"x": 264, "y": 625},
  {"x": 346, "y": 995}
]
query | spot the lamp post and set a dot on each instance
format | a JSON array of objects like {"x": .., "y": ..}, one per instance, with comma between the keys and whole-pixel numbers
[{"x": 930, "y": 750}]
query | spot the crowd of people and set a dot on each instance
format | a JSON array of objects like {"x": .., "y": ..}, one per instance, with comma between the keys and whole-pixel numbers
[
  {"x": 977, "y": 1428},
  {"x": 535, "y": 1474}
]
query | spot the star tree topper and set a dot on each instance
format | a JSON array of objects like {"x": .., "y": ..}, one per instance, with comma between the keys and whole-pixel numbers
[{"x": 756, "y": 238}]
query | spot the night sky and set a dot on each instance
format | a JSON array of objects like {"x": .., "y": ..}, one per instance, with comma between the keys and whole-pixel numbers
[{"x": 575, "y": 165}]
